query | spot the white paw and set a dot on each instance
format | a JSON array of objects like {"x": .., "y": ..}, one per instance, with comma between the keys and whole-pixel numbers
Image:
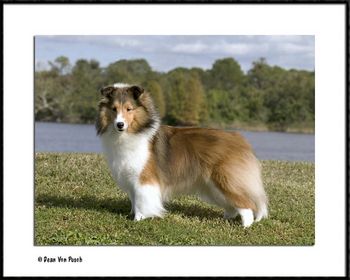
[
  {"x": 247, "y": 223},
  {"x": 139, "y": 217},
  {"x": 247, "y": 216}
]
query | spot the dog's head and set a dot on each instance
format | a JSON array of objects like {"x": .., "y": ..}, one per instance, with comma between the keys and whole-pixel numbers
[{"x": 126, "y": 109}]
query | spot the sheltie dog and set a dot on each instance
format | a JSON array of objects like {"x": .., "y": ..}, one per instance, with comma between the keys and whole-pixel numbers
[{"x": 152, "y": 162}]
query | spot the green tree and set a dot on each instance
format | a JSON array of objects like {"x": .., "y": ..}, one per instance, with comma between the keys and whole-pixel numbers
[
  {"x": 226, "y": 74},
  {"x": 185, "y": 98},
  {"x": 219, "y": 106},
  {"x": 127, "y": 71},
  {"x": 86, "y": 81},
  {"x": 51, "y": 88},
  {"x": 254, "y": 104},
  {"x": 225, "y": 107},
  {"x": 268, "y": 94},
  {"x": 61, "y": 65},
  {"x": 259, "y": 76},
  {"x": 156, "y": 92},
  {"x": 47, "y": 106},
  {"x": 287, "y": 101}
]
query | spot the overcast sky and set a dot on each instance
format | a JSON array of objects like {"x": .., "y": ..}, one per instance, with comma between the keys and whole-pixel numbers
[{"x": 164, "y": 53}]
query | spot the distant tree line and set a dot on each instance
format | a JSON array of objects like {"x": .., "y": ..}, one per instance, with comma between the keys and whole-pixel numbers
[{"x": 266, "y": 96}]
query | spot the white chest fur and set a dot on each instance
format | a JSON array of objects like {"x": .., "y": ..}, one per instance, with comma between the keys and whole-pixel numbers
[{"x": 127, "y": 155}]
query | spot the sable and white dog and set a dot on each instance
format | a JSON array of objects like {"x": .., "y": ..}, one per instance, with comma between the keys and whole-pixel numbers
[{"x": 151, "y": 162}]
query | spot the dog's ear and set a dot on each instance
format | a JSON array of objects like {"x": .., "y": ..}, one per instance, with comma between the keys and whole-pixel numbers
[
  {"x": 136, "y": 91},
  {"x": 107, "y": 91}
]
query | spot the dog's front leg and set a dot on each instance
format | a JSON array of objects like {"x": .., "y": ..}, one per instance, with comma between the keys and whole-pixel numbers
[
  {"x": 131, "y": 195},
  {"x": 147, "y": 202},
  {"x": 132, "y": 200}
]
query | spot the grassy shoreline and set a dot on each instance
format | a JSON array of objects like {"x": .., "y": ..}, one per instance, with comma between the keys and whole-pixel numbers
[{"x": 77, "y": 203}]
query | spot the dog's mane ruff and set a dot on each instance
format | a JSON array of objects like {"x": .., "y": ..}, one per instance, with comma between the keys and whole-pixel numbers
[{"x": 153, "y": 123}]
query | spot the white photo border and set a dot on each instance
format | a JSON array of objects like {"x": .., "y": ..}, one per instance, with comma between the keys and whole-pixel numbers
[{"x": 325, "y": 22}]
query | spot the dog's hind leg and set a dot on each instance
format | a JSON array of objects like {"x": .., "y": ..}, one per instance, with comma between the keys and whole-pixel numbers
[{"x": 238, "y": 198}]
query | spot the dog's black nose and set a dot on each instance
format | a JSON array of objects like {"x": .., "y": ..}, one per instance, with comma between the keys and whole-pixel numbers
[{"x": 120, "y": 125}]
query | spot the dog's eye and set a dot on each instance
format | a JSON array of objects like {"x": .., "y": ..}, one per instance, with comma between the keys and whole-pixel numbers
[
  {"x": 114, "y": 109},
  {"x": 128, "y": 109}
]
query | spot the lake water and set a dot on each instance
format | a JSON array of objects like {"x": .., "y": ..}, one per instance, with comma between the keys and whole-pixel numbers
[{"x": 57, "y": 137}]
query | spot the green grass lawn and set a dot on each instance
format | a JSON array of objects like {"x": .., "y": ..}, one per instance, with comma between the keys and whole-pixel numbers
[{"x": 77, "y": 203}]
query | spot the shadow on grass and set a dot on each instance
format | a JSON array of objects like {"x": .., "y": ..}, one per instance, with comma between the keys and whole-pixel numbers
[
  {"x": 122, "y": 206},
  {"x": 196, "y": 211},
  {"x": 113, "y": 205}
]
